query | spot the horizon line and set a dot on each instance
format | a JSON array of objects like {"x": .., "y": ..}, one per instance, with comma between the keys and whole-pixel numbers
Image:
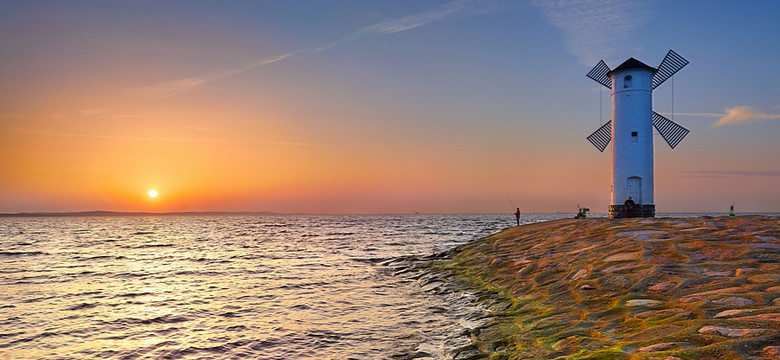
[{"x": 109, "y": 213}]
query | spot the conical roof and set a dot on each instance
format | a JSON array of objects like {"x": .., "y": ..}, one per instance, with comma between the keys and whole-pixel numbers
[{"x": 632, "y": 64}]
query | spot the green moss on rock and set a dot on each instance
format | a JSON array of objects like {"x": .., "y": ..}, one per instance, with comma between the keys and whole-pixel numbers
[{"x": 603, "y": 289}]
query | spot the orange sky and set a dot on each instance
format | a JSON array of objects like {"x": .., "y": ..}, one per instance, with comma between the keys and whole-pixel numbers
[{"x": 378, "y": 108}]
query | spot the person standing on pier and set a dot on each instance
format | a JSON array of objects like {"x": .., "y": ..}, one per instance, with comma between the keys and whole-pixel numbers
[{"x": 629, "y": 206}]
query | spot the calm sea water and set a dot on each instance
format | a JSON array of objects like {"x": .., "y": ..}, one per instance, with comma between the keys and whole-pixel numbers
[{"x": 225, "y": 287}]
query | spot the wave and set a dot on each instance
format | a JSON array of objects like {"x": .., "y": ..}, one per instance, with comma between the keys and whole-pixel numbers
[
  {"x": 85, "y": 293},
  {"x": 82, "y": 306},
  {"x": 197, "y": 273},
  {"x": 211, "y": 260},
  {"x": 29, "y": 339},
  {"x": 22, "y": 253},
  {"x": 340, "y": 234},
  {"x": 144, "y": 246},
  {"x": 10, "y": 334},
  {"x": 164, "y": 319},
  {"x": 192, "y": 350},
  {"x": 135, "y": 294},
  {"x": 131, "y": 275},
  {"x": 101, "y": 257}
]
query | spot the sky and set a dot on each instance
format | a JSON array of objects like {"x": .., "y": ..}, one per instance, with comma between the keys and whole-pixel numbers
[{"x": 361, "y": 106}]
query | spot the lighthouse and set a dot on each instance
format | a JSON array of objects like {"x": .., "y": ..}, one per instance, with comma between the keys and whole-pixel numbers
[{"x": 631, "y": 131}]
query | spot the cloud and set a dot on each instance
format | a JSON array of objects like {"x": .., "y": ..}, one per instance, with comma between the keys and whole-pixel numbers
[
  {"x": 738, "y": 173},
  {"x": 109, "y": 113},
  {"x": 594, "y": 28},
  {"x": 735, "y": 115},
  {"x": 166, "y": 139},
  {"x": 740, "y": 114},
  {"x": 450, "y": 11},
  {"x": 693, "y": 114},
  {"x": 175, "y": 87}
]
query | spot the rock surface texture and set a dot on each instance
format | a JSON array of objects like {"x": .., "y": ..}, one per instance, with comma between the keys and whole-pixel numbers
[{"x": 661, "y": 288}]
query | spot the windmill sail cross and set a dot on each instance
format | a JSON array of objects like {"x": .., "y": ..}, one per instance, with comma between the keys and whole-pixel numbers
[
  {"x": 671, "y": 131},
  {"x": 599, "y": 73},
  {"x": 671, "y": 64},
  {"x": 601, "y": 137},
  {"x": 630, "y": 131}
]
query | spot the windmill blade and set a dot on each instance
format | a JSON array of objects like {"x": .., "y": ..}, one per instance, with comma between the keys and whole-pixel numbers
[
  {"x": 601, "y": 137},
  {"x": 672, "y": 132},
  {"x": 599, "y": 73},
  {"x": 671, "y": 64}
]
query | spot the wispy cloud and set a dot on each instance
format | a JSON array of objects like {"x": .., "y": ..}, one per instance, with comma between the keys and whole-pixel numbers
[
  {"x": 193, "y": 128},
  {"x": 594, "y": 28},
  {"x": 693, "y": 114},
  {"x": 109, "y": 113},
  {"x": 740, "y": 114},
  {"x": 732, "y": 116},
  {"x": 164, "y": 139},
  {"x": 175, "y": 87},
  {"x": 450, "y": 11},
  {"x": 737, "y": 173}
]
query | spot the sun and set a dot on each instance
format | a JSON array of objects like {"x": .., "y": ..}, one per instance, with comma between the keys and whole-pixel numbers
[{"x": 152, "y": 193}]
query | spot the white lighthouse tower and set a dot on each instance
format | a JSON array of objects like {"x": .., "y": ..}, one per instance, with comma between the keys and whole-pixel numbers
[{"x": 631, "y": 130}]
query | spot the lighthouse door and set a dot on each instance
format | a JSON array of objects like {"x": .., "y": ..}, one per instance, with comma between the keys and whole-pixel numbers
[{"x": 635, "y": 189}]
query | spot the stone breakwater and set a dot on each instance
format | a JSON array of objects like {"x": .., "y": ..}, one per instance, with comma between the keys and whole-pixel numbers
[{"x": 658, "y": 288}]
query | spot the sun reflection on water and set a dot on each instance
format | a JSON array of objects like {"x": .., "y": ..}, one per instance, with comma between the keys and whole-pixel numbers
[{"x": 194, "y": 287}]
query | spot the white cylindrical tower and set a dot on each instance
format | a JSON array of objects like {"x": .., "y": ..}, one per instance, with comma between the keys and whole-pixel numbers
[
  {"x": 632, "y": 138},
  {"x": 631, "y": 131}
]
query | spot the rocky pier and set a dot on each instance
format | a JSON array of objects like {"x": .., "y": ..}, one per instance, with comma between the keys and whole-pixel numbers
[{"x": 652, "y": 288}]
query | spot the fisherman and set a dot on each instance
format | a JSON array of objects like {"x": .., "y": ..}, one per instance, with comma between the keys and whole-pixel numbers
[
  {"x": 517, "y": 216},
  {"x": 581, "y": 212},
  {"x": 629, "y": 206}
]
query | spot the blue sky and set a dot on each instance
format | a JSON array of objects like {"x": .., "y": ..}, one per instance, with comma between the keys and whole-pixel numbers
[{"x": 375, "y": 106}]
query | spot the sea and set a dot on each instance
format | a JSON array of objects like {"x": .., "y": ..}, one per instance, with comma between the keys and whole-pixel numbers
[{"x": 229, "y": 286}]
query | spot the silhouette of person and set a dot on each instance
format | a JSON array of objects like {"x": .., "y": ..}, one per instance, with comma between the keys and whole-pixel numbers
[
  {"x": 629, "y": 205},
  {"x": 517, "y": 216}
]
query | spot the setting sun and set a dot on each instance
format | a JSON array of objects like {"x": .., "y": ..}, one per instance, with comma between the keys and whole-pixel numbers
[{"x": 152, "y": 193}]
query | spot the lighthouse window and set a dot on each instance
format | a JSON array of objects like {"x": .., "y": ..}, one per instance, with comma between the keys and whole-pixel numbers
[
  {"x": 634, "y": 136},
  {"x": 627, "y": 81}
]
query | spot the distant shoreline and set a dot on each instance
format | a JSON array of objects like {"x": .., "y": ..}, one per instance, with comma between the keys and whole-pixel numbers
[
  {"x": 138, "y": 213},
  {"x": 104, "y": 213}
]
